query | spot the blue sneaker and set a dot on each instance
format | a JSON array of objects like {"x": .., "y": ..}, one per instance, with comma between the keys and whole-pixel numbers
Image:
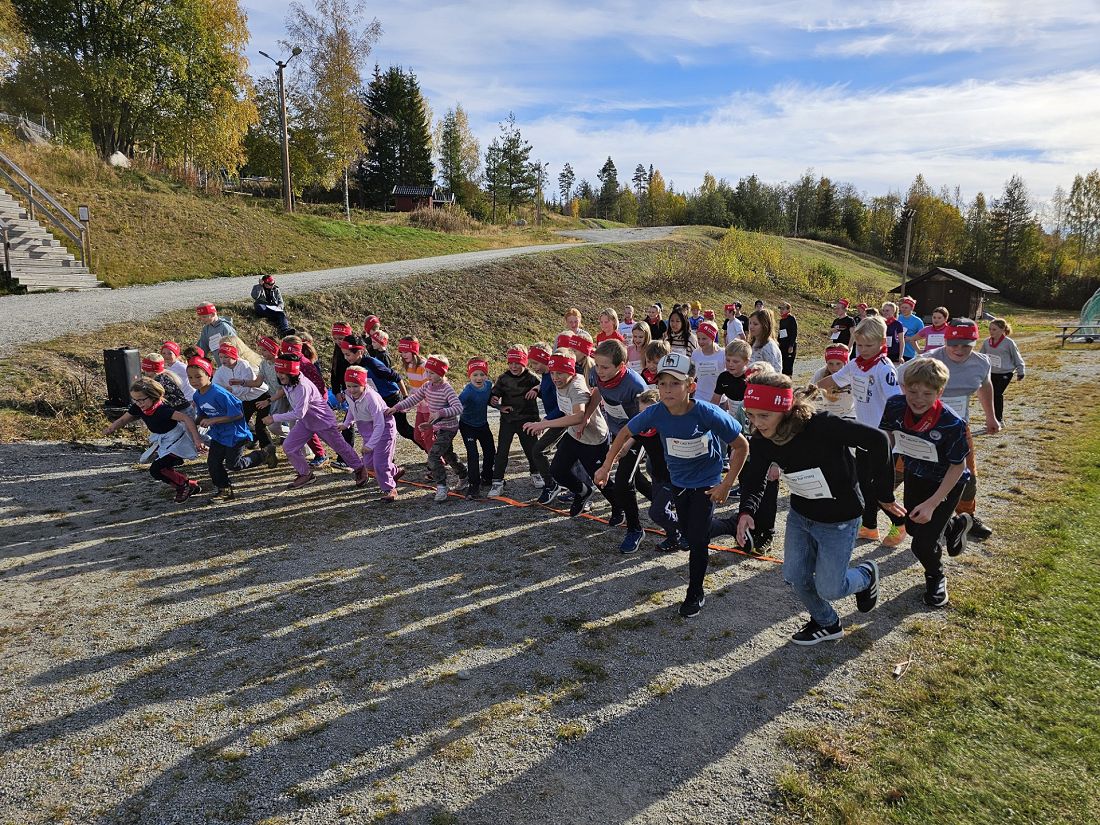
[
  {"x": 319, "y": 461},
  {"x": 565, "y": 497},
  {"x": 631, "y": 542}
]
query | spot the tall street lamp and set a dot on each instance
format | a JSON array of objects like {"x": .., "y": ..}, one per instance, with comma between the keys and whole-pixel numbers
[{"x": 288, "y": 197}]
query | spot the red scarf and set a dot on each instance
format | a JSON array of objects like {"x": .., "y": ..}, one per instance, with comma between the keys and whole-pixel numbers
[
  {"x": 649, "y": 376},
  {"x": 611, "y": 383},
  {"x": 866, "y": 363},
  {"x": 153, "y": 408},
  {"x": 939, "y": 328},
  {"x": 996, "y": 343},
  {"x": 926, "y": 422}
]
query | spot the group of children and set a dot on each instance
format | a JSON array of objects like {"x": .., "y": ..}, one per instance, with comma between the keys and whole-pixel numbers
[{"x": 679, "y": 405}]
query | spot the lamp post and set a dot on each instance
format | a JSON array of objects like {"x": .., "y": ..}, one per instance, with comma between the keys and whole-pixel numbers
[{"x": 288, "y": 196}]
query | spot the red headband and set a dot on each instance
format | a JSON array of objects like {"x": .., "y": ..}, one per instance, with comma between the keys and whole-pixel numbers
[
  {"x": 961, "y": 332},
  {"x": 202, "y": 364},
  {"x": 538, "y": 355},
  {"x": 708, "y": 314},
  {"x": 269, "y": 345},
  {"x": 709, "y": 329},
  {"x": 562, "y": 363},
  {"x": 348, "y": 346},
  {"x": 911, "y": 301},
  {"x": 355, "y": 375},
  {"x": 228, "y": 350},
  {"x": 172, "y": 347},
  {"x": 730, "y": 307},
  {"x": 844, "y": 302},
  {"x": 477, "y": 365},
  {"x": 379, "y": 337},
  {"x": 862, "y": 305},
  {"x": 292, "y": 349},
  {"x": 436, "y": 366},
  {"x": 581, "y": 345},
  {"x": 149, "y": 365},
  {"x": 341, "y": 328},
  {"x": 285, "y": 366},
  {"x": 409, "y": 345},
  {"x": 837, "y": 353},
  {"x": 563, "y": 341},
  {"x": 769, "y": 399},
  {"x": 517, "y": 356},
  {"x": 206, "y": 309},
  {"x": 371, "y": 322}
]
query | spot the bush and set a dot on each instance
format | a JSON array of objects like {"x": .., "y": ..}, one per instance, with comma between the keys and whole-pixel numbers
[{"x": 452, "y": 219}]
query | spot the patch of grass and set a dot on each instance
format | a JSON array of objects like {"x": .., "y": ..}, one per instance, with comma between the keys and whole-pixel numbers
[
  {"x": 590, "y": 671},
  {"x": 1002, "y": 723},
  {"x": 571, "y": 730}
]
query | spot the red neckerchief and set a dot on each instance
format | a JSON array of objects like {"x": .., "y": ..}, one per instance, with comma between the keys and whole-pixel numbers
[
  {"x": 614, "y": 382},
  {"x": 865, "y": 364},
  {"x": 996, "y": 343},
  {"x": 784, "y": 314},
  {"x": 153, "y": 408},
  {"x": 927, "y": 421},
  {"x": 649, "y": 376},
  {"x": 940, "y": 328}
]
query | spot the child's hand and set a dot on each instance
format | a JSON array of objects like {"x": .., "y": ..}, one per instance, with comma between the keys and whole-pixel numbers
[
  {"x": 579, "y": 430},
  {"x": 505, "y": 410},
  {"x": 388, "y": 412},
  {"x": 601, "y": 477},
  {"x": 774, "y": 472},
  {"x": 269, "y": 420},
  {"x": 894, "y": 509},
  {"x": 744, "y": 524},
  {"x": 922, "y": 513},
  {"x": 235, "y": 382},
  {"x": 719, "y": 492},
  {"x": 533, "y": 427},
  {"x": 992, "y": 426},
  {"x": 263, "y": 405},
  {"x": 532, "y": 394},
  {"x": 200, "y": 445}
]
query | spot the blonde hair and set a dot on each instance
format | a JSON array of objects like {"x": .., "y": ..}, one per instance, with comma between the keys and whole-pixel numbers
[
  {"x": 154, "y": 357},
  {"x": 739, "y": 347},
  {"x": 519, "y": 347},
  {"x": 148, "y": 386},
  {"x": 891, "y": 306},
  {"x": 442, "y": 359},
  {"x": 766, "y": 319},
  {"x": 541, "y": 345},
  {"x": 931, "y": 372},
  {"x": 612, "y": 314},
  {"x": 802, "y": 409},
  {"x": 870, "y": 329},
  {"x": 644, "y": 327},
  {"x": 1003, "y": 324},
  {"x": 656, "y": 350},
  {"x": 649, "y": 397}
]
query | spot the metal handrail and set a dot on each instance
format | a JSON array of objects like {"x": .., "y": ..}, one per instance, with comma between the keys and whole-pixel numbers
[{"x": 80, "y": 238}]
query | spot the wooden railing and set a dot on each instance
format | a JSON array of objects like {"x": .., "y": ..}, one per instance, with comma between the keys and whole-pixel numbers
[{"x": 41, "y": 202}]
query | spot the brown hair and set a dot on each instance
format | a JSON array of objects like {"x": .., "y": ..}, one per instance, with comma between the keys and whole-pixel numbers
[
  {"x": 1003, "y": 324},
  {"x": 942, "y": 311},
  {"x": 801, "y": 410},
  {"x": 649, "y": 397},
  {"x": 656, "y": 350},
  {"x": 149, "y": 387},
  {"x": 612, "y": 349},
  {"x": 766, "y": 320}
]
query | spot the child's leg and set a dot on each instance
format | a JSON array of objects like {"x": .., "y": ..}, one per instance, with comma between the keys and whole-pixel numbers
[
  {"x": 662, "y": 508},
  {"x": 436, "y": 455},
  {"x": 561, "y": 468},
  {"x": 504, "y": 446},
  {"x": 870, "y": 502},
  {"x": 470, "y": 439},
  {"x": 927, "y": 538},
  {"x": 331, "y": 436},
  {"x": 448, "y": 452},
  {"x": 382, "y": 459},
  {"x": 163, "y": 469},
  {"x": 833, "y": 578},
  {"x": 315, "y": 446},
  {"x": 800, "y": 551},
  {"x": 536, "y": 459},
  {"x": 626, "y": 498},
  {"x": 695, "y": 509},
  {"x": 549, "y": 438},
  {"x": 263, "y": 437},
  {"x": 488, "y": 455},
  {"x": 294, "y": 446},
  {"x": 215, "y": 464},
  {"x": 1000, "y": 383},
  {"x": 591, "y": 456},
  {"x": 969, "y": 499}
]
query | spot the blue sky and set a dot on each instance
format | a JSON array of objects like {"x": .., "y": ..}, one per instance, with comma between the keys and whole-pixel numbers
[{"x": 967, "y": 92}]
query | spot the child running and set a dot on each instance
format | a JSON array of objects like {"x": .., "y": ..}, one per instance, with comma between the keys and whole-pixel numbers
[
  {"x": 694, "y": 434},
  {"x": 152, "y": 366},
  {"x": 813, "y": 451},
  {"x": 412, "y": 362},
  {"x": 837, "y": 400},
  {"x": 709, "y": 360},
  {"x": 762, "y": 337},
  {"x": 934, "y": 334},
  {"x": 473, "y": 425},
  {"x": 515, "y": 394},
  {"x": 1004, "y": 362},
  {"x": 366, "y": 412},
  {"x": 174, "y": 363},
  {"x": 238, "y": 376},
  {"x": 635, "y": 351}
]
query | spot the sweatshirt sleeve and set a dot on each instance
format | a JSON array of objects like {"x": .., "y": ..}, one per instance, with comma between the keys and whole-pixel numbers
[
  {"x": 1017, "y": 359},
  {"x": 870, "y": 439},
  {"x": 413, "y": 399},
  {"x": 454, "y": 406},
  {"x": 754, "y": 476},
  {"x": 297, "y": 401}
]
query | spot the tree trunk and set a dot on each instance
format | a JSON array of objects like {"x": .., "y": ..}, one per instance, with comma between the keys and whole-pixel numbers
[{"x": 347, "y": 204}]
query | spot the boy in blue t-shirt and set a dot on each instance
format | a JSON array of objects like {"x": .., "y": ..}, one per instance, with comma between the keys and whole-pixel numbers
[
  {"x": 912, "y": 323},
  {"x": 473, "y": 424},
  {"x": 933, "y": 444},
  {"x": 222, "y": 412},
  {"x": 694, "y": 434}
]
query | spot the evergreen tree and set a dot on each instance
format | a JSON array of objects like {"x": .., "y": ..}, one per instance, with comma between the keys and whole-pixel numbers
[
  {"x": 519, "y": 177},
  {"x": 640, "y": 180},
  {"x": 609, "y": 188},
  {"x": 459, "y": 154},
  {"x": 565, "y": 186},
  {"x": 396, "y": 125}
]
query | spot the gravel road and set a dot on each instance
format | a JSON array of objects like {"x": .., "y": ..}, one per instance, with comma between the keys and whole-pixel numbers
[{"x": 39, "y": 317}]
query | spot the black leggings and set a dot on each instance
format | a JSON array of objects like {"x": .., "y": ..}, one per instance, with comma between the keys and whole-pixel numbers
[
  {"x": 260, "y": 428},
  {"x": 1000, "y": 381},
  {"x": 570, "y": 452},
  {"x": 927, "y": 539},
  {"x": 623, "y": 494},
  {"x": 404, "y": 428},
  {"x": 694, "y": 510},
  {"x": 473, "y": 437},
  {"x": 536, "y": 461}
]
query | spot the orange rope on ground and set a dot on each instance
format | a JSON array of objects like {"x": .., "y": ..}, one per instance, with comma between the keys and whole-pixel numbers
[{"x": 525, "y": 504}]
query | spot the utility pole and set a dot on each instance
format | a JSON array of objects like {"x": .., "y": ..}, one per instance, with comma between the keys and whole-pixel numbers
[
  {"x": 288, "y": 192},
  {"x": 796, "y": 219},
  {"x": 905, "y": 265}
]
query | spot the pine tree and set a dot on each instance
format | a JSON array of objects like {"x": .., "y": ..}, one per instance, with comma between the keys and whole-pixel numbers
[
  {"x": 518, "y": 175},
  {"x": 565, "y": 186},
  {"x": 396, "y": 125},
  {"x": 459, "y": 153},
  {"x": 609, "y": 188}
]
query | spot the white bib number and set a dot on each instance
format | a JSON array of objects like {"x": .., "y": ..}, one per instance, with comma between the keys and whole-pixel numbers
[
  {"x": 706, "y": 368},
  {"x": 215, "y": 341},
  {"x": 636, "y": 366},
  {"x": 616, "y": 411},
  {"x": 861, "y": 388},
  {"x": 935, "y": 339},
  {"x": 688, "y": 447},
  {"x": 915, "y": 447},
  {"x": 782, "y": 333},
  {"x": 808, "y": 483},
  {"x": 835, "y": 335},
  {"x": 994, "y": 360},
  {"x": 960, "y": 404}
]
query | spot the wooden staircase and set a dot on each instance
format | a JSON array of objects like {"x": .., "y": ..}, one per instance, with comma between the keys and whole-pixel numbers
[{"x": 34, "y": 260}]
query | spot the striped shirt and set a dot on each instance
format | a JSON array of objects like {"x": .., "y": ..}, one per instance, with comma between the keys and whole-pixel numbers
[{"x": 442, "y": 401}]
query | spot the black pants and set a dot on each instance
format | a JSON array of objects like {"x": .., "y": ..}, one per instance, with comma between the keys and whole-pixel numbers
[
  {"x": 927, "y": 539},
  {"x": 1000, "y": 381},
  {"x": 536, "y": 461},
  {"x": 275, "y": 316},
  {"x": 694, "y": 510},
  {"x": 165, "y": 462},
  {"x": 473, "y": 437},
  {"x": 404, "y": 428},
  {"x": 221, "y": 459},
  {"x": 866, "y": 473},
  {"x": 260, "y": 428},
  {"x": 788, "y": 360},
  {"x": 571, "y": 452},
  {"x": 662, "y": 508},
  {"x": 623, "y": 494}
]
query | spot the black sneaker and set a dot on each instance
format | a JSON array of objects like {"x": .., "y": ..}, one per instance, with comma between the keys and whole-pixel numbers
[
  {"x": 979, "y": 530},
  {"x": 812, "y": 633},
  {"x": 461, "y": 470},
  {"x": 868, "y": 598},
  {"x": 670, "y": 545},
  {"x": 955, "y": 534},
  {"x": 692, "y": 606},
  {"x": 579, "y": 501},
  {"x": 473, "y": 492},
  {"x": 935, "y": 591},
  {"x": 762, "y": 539},
  {"x": 617, "y": 517},
  {"x": 549, "y": 493}
]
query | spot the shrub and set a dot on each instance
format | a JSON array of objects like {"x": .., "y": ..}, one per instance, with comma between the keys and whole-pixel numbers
[{"x": 452, "y": 219}]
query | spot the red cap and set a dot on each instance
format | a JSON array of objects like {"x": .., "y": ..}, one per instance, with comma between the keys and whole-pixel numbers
[
  {"x": 206, "y": 309},
  {"x": 355, "y": 375},
  {"x": 149, "y": 365},
  {"x": 436, "y": 366},
  {"x": 562, "y": 363},
  {"x": 581, "y": 345},
  {"x": 408, "y": 345},
  {"x": 769, "y": 399},
  {"x": 341, "y": 328},
  {"x": 837, "y": 352},
  {"x": 538, "y": 355},
  {"x": 371, "y": 322},
  {"x": 381, "y": 338},
  {"x": 228, "y": 350},
  {"x": 477, "y": 365},
  {"x": 269, "y": 345},
  {"x": 708, "y": 314},
  {"x": 709, "y": 329},
  {"x": 844, "y": 302},
  {"x": 172, "y": 347},
  {"x": 202, "y": 364},
  {"x": 268, "y": 279},
  {"x": 961, "y": 332},
  {"x": 288, "y": 366},
  {"x": 730, "y": 307},
  {"x": 517, "y": 356}
]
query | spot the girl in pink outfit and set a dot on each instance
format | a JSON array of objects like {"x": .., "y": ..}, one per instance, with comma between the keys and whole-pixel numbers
[
  {"x": 310, "y": 414},
  {"x": 366, "y": 410}
]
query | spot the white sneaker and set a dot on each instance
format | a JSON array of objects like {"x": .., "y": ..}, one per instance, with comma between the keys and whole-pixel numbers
[
  {"x": 537, "y": 482},
  {"x": 497, "y": 489},
  {"x": 441, "y": 492}
]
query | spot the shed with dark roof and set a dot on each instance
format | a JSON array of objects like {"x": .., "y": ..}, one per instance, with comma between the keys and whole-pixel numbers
[{"x": 963, "y": 296}]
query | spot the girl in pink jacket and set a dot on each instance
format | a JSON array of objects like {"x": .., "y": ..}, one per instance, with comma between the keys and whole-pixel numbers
[{"x": 366, "y": 410}]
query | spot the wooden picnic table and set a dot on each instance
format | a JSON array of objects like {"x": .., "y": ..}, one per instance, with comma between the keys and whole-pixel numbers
[{"x": 1090, "y": 332}]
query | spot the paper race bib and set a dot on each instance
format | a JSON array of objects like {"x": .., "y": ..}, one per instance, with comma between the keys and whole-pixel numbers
[
  {"x": 808, "y": 483},
  {"x": 889, "y": 341},
  {"x": 215, "y": 340},
  {"x": 635, "y": 365},
  {"x": 960, "y": 404},
  {"x": 706, "y": 368},
  {"x": 994, "y": 360},
  {"x": 782, "y": 333},
  {"x": 615, "y": 410},
  {"x": 935, "y": 339},
  {"x": 861, "y": 388},
  {"x": 835, "y": 335},
  {"x": 565, "y": 404},
  {"x": 688, "y": 447},
  {"x": 915, "y": 447}
]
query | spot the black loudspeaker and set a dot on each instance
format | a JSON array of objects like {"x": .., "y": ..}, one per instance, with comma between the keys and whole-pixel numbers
[{"x": 121, "y": 366}]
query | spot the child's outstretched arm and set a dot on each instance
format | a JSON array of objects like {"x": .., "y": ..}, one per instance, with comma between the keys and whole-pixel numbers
[
  {"x": 613, "y": 453},
  {"x": 119, "y": 423}
]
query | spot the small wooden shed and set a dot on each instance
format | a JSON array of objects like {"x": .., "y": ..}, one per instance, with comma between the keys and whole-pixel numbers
[
  {"x": 407, "y": 198},
  {"x": 963, "y": 296}
]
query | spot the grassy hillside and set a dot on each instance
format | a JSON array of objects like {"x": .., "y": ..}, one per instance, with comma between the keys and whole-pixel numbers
[
  {"x": 54, "y": 391},
  {"x": 147, "y": 228}
]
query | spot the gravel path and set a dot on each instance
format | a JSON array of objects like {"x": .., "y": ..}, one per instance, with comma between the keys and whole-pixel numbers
[
  {"x": 316, "y": 657},
  {"x": 39, "y": 317}
]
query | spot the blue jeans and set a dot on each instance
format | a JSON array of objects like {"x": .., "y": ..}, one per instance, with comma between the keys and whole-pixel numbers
[{"x": 815, "y": 564}]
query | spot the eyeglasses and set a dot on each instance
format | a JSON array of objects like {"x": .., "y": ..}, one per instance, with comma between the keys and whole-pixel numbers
[{"x": 138, "y": 399}]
